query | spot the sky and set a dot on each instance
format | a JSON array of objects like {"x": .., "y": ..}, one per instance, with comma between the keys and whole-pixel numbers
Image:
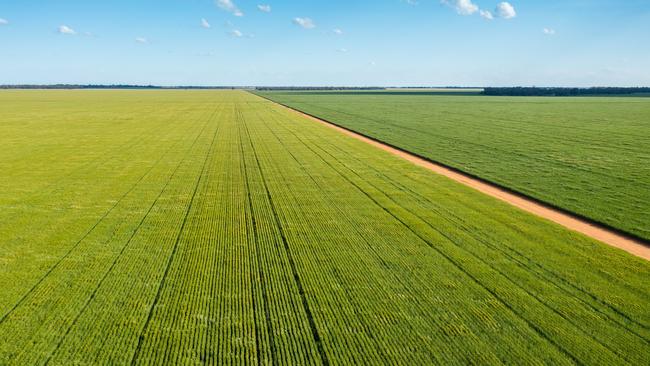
[{"x": 319, "y": 42}]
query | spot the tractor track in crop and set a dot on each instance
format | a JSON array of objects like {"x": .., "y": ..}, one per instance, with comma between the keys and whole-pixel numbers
[
  {"x": 126, "y": 245},
  {"x": 170, "y": 259},
  {"x": 301, "y": 290}
]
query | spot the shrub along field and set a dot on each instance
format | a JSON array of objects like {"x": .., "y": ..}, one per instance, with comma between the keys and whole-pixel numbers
[
  {"x": 590, "y": 156},
  {"x": 177, "y": 227}
]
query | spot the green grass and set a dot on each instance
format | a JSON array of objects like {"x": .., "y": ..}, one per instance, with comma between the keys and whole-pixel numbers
[
  {"x": 588, "y": 155},
  {"x": 180, "y": 227}
]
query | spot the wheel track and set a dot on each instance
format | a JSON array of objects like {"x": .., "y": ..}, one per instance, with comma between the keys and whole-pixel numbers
[
  {"x": 301, "y": 290},
  {"x": 138, "y": 348},
  {"x": 116, "y": 259},
  {"x": 78, "y": 242},
  {"x": 337, "y": 276},
  {"x": 260, "y": 271}
]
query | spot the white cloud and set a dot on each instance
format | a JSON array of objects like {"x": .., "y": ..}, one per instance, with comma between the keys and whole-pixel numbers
[
  {"x": 64, "y": 29},
  {"x": 306, "y": 23},
  {"x": 3, "y": 21},
  {"x": 142, "y": 40},
  {"x": 549, "y": 31},
  {"x": 411, "y": 2},
  {"x": 264, "y": 8},
  {"x": 342, "y": 50},
  {"x": 230, "y": 7},
  {"x": 337, "y": 31},
  {"x": 236, "y": 33},
  {"x": 463, "y": 7},
  {"x": 205, "y": 24},
  {"x": 486, "y": 14},
  {"x": 505, "y": 10}
]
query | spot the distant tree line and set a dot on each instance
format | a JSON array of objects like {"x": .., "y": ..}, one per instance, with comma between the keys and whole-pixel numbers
[
  {"x": 507, "y": 91},
  {"x": 112, "y": 86},
  {"x": 306, "y": 88},
  {"x": 435, "y": 87},
  {"x": 128, "y": 86},
  {"x": 564, "y": 92}
]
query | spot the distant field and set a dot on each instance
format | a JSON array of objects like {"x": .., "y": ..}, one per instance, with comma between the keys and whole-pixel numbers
[
  {"x": 438, "y": 90},
  {"x": 588, "y": 155},
  {"x": 211, "y": 227}
]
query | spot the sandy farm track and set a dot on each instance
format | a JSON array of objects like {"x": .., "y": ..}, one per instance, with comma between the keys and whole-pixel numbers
[{"x": 610, "y": 237}]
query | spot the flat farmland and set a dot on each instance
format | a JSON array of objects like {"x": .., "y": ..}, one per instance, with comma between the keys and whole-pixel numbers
[
  {"x": 210, "y": 227},
  {"x": 589, "y": 156}
]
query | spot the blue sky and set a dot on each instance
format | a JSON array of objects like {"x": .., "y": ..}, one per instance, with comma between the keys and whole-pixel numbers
[{"x": 381, "y": 42}]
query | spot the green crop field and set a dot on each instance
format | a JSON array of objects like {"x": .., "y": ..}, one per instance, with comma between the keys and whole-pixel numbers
[
  {"x": 590, "y": 156},
  {"x": 206, "y": 227}
]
